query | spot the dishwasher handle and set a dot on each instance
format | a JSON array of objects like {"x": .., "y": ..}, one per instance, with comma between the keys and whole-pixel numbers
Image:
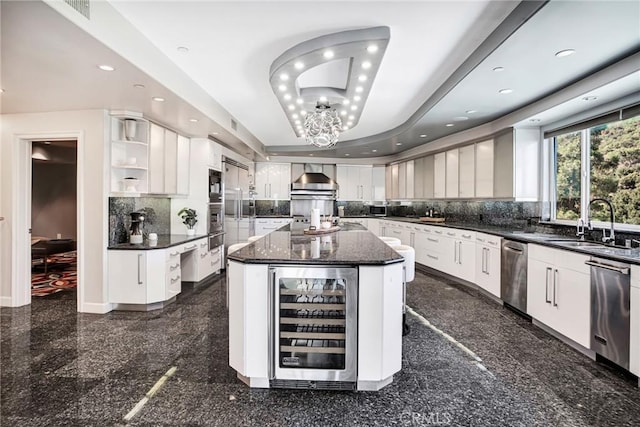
[
  {"x": 621, "y": 270},
  {"x": 513, "y": 249}
]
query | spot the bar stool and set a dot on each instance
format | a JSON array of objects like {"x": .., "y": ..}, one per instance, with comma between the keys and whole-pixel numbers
[
  {"x": 230, "y": 250},
  {"x": 254, "y": 238},
  {"x": 391, "y": 241},
  {"x": 409, "y": 269}
]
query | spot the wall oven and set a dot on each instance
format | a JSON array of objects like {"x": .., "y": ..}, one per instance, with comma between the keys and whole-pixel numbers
[
  {"x": 215, "y": 186},
  {"x": 314, "y": 330},
  {"x": 215, "y": 225}
]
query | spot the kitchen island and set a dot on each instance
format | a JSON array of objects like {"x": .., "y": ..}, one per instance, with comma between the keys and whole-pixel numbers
[{"x": 316, "y": 311}]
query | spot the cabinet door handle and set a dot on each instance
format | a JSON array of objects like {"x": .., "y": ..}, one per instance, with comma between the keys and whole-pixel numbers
[
  {"x": 555, "y": 286},
  {"x": 488, "y": 260},
  {"x": 450, "y": 234},
  {"x": 176, "y": 279},
  {"x": 438, "y": 232},
  {"x": 432, "y": 256},
  {"x": 190, "y": 247},
  {"x": 215, "y": 251},
  {"x": 546, "y": 286},
  {"x": 173, "y": 267},
  {"x": 480, "y": 240},
  {"x": 176, "y": 253},
  {"x": 466, "y": 236},
  {"x": 270, "y": 190},
  {"x": 460, "y": 253},
  {"x": 204, "y": 254},
  {"x": 432, "y": 240},
  {"x": 140, "y": 269}
]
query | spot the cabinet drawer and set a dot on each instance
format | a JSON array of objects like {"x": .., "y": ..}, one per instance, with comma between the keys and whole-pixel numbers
[
  {"x": 558, "y": 257},
  {"x": 173, "y": 253},
  {"x": 488, "y": 239},
  {"x": 190, "y": 246}
]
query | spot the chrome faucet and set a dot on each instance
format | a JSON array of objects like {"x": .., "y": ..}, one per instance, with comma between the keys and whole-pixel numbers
[
  {"x": 580, "y": 229},
  {"x": 611, "y": 238}
]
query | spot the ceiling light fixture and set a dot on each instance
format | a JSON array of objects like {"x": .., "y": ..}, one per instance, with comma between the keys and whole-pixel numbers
[
  {"x": 398, "y": 143},
  {"x": 374, "y": 151},
  {"x": 335, "y": 70},
  {"x": 284, "y": 77},
  {"x": 106, "y": 67},
  {"x": 534, "y": 120},
  {"x": 347, "y": 155},
  {"x": 424, "y": 135},
  {"x": 505, "y": 91},
  {"x": 158, "y": 99},
  {"x": 565, "y": 52},
  {"x": 471, "y": 111},
  {"x": 589, "y": 98},
  {"x": 322, "y": 126},
  {"x": 138, "y": 86},
  {"x": 287, "y": 97},
  {"x": 193, "y": 120},
  {"x": 449, "y": 125}
]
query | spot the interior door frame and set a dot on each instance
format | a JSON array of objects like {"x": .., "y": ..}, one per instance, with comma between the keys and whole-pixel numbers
[{"x": 21, "y": 212}]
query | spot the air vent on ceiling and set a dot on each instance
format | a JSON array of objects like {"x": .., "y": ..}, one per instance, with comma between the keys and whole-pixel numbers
[
  {"x": 81, "y": 6},
  {"x": 234, "y": 125}
]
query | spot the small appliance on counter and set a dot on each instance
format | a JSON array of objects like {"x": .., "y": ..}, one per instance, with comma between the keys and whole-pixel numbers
[
  {"x": 378, "y": 210},
  {"x": 137, "y": 220}
]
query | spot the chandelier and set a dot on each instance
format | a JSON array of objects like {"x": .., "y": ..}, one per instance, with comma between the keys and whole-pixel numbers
[{"x": 323, "y": 126}]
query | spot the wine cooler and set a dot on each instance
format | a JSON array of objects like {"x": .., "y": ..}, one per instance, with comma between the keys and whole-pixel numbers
[{"x": 315, "y": 326}]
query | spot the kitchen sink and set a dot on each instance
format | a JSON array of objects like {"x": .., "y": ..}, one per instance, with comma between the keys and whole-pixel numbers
[{"x": 583, "y": 244}]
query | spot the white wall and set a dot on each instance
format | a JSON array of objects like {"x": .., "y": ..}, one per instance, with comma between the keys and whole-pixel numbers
[{"x": 92, "y": 179}]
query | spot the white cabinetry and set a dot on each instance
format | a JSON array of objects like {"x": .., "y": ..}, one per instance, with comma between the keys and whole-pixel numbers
[
  {"x": 517, "y": 162},
  {"x": 488, "y": 262},
  {"x": 634, "y": 339},
  {"x": 355, "y": 182},
  {"x": 452, "y": 179},
  {"x": 460, "y": 249},
  {"x": 423, "y": 178},
  {"x": 273, "y": 181},
  {"x": 129, "y": 155},
  {"x": 559, "y": 291},
  {"x": 215, "y": 155},
  {"x": 168, "y": 162},
  {"x": 439, "y": 175},
  {"x": 200, "y": 262},
  {"x": 137, "y": 277},
  {"x": 466, "y": 176},
  {"x": 378, "y": 183},
  {"x": 484, "y": 169},
  {"x": 267, "y": 225}
]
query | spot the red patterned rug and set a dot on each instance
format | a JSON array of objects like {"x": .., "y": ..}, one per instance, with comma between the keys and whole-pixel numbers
[{"x": 60, "y": 276}]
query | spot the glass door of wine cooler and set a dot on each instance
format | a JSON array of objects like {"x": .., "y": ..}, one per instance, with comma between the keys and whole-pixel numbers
[{"x": 315, "y": 327}]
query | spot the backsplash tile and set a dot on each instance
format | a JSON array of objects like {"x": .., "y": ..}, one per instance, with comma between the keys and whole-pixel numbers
[
  {"x": 158, "y": 216},
  {"x": 272, "y": 207}
]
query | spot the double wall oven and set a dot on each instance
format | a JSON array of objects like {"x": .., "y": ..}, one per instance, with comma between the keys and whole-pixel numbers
[
  {"x": 215, "y": 218},
  {"x": 314, "y": 331}
]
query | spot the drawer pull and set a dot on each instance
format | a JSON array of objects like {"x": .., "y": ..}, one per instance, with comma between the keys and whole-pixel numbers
[
  {"x": 173, "y": 267},
  {"x": 176, "y": 279},
  {"x": 438, "y": 232},
  {"x": 204, "y": 245},
  {"x": 190, "y": 247},
  {"x": 215, "y": 251},
  {"x": 480, "y": 240},
  {"x": 432, "y": 240},
  {"x": 432, "y": 257},
  {"x": 451, "y": 234},
  {"x": 466, "y": 236},
  {"x": 176, "y": 253},
  {"x": 204, "y": 254}
]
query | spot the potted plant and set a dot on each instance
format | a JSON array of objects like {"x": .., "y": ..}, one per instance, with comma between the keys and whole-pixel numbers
[{"x": 189, "y": 219}]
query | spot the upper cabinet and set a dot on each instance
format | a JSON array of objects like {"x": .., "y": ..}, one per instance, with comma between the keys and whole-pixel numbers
[
  {"x": 439, "y": 175},
  {"x": 168, "y": 162},
  {"x": 356, "y": 182},
  {"x": 466, "y": 172},
  {"x": 378, "y": 183},
  {"x": 273, "y": 181},
  {"x": 484, "y": 168},
  {"x": 215, "y": 155},
  {"x": 129, "y": 155},
  {"x": 518, "y": 154}
]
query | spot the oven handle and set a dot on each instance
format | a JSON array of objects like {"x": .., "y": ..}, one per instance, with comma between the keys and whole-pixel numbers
[{"x": 621, "y": 270}]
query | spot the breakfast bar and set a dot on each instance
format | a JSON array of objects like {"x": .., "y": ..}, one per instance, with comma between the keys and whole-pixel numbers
[{"x": 316, "y": 311}]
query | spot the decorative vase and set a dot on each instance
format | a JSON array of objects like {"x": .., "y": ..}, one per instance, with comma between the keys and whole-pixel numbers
[
  {"x": 130, "y": 126},
  {"x": 191, "y": 231}
]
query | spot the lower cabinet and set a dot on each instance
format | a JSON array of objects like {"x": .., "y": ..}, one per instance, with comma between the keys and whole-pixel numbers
[
  {"x": 559, "y": 291},
  {"x": 201, "y": 262},
  {"x": 267, "y": 225},
  {"x": 634, "y": 339},
  {"x": 137, "y": 277},
  {"x": 488, "y": 263}
]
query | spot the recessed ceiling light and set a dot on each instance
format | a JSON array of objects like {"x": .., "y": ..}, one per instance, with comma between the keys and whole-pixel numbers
[
  {"x": 193, "y": 120},
  {"x": 311, "y": 155},
  {"x": 345, "y": 127},
  {"x": 287, "y": 96},
  {"x": 183, "y": 49},
  {"x": 328, "y": 54},
  {"x": 297, "y": 122},
  {"x": 460, "y": 118},
  {"x": 362, "y": 78},
  {"x": 295, "y": 116},
  {"x": 505, "y": 91},
  {"x": 303, "y": 113},
  {"x": 347, "y": 154},
  {"x": 374, "y": 151},
  {"x": 343, "y": 112},
  {"x": 299, "y": 65},
  {"x": 424, "y": 135},
  {"x": 471, "y": 111},
  {"x": 351, "y": 117},
  {"x": 214, "y": 133},
  {"x": 565, "y": 52},
  {"x": 299, "y": 101},
  {"x": 398, "y": 143},
  {"x": 284, "y": 77},
  {"x": 498, "y": 69},
  {"x": 589, "y": 98},
  {"x": 106, "y": 67},
  {"x": 282, "y": 88},
  {"x": 291, "y": 107},
  {"x": 157, "y": 98},
  {"x": 359, "y": 89},
  {"x": 357, "y": 98},
  {"x": 449, "y": 125},
  {"x": 323, "y": 99},
  {"x": 366, "y": 65},
  {"x": 349, "y": 123},
  {"x": 345, "y": 102},
  {"x": 372, "y": 48},
  {"x": 138, "y": 86},
  {"x": 354, "y": 107},
  {"x": 534, "y": 120},
  {"x": 1, "y": 90}
]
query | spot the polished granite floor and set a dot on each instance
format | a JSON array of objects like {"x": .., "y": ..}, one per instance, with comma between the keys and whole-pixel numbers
[{"x": 60, "y": 368}]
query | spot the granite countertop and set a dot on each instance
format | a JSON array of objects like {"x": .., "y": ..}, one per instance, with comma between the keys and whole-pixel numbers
[
  {"x": 552, "y": 240},
  {"x": 351, "y": 245},
  {"x": 164, "y": 241}
]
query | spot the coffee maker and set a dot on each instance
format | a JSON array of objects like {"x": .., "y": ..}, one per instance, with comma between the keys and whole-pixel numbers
[{"x": 137, "y": 220}]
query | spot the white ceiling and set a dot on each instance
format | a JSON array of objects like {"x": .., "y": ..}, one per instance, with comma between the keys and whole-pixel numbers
[{"x": 437, "y": 66}]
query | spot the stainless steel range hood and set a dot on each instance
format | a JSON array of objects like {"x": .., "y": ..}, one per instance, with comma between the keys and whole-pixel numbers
[{"x": 313, "y": 180}]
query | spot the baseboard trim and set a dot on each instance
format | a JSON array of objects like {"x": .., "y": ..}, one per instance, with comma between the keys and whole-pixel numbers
[
  {"x": 6, "y": 302},
  {"x": 96, "y": 308}
]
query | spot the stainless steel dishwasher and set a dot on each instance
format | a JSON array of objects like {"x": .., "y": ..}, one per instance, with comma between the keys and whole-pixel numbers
[
  {"x": 513, "y": 274},
  {"x": 610, "y": 309}
]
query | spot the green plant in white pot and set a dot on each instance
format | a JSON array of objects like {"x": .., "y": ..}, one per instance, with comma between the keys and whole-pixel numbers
[{"x": 189, "y": 219}]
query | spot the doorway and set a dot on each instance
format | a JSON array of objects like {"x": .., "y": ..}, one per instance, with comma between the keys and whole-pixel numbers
[{"x": 54, "y": 220}]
